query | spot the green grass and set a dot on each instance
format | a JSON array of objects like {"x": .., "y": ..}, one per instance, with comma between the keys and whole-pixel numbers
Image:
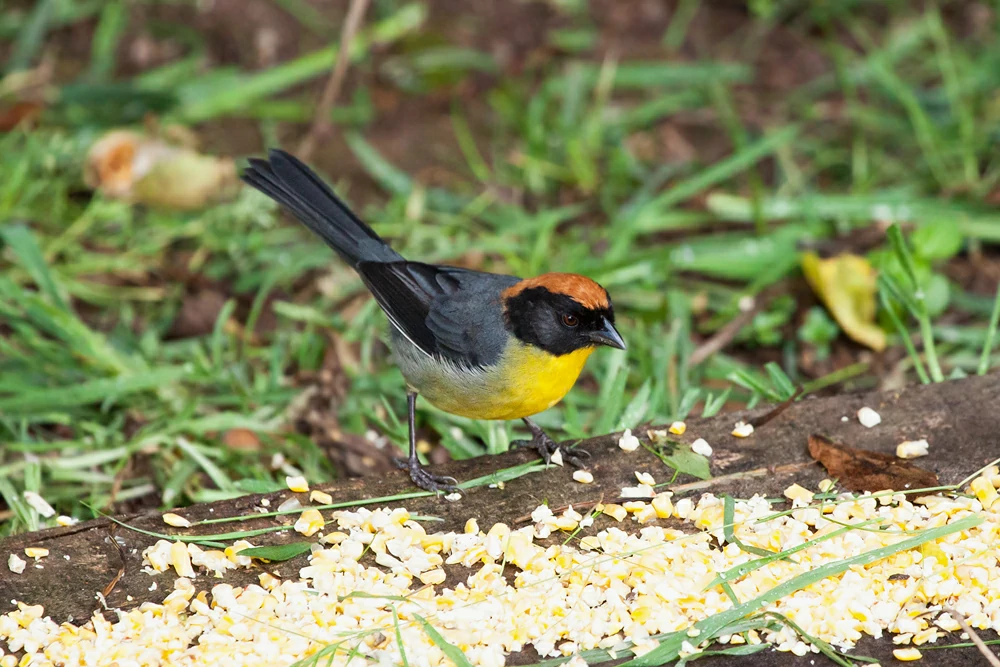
[{"x": 101, "y": 410}]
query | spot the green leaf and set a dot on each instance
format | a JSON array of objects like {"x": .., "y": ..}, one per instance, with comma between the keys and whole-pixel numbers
[
  {"x": 278, "y": 552},
  {"x": 686, "y": 462},
  {"x": 939, "y": 240},
  {"x": 452, "y": 652}
]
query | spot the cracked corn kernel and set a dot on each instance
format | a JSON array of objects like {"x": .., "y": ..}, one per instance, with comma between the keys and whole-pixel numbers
[
  {"x": 742, "y": 430},
  {"x": 678, "y": 428},
  {"x": 296, "y": 483},
  {"x": 36, "y": 552},
  {"x": 645, "y": 478},
  {"x": 309, "y": 522},
  {"x": 433, "y": 577},
  {"x": 984, "y": 491},
  {"x": 616, "y": 512},
  {"x": 869, "y": 418},
  {"x": 796, "y": 492},
  {"x": 320, "y": 497},
  {"x": 911, "y": 449},
  {"x": 662, "y": 505},
  {"x": 181, "y": 560},
  {"x": 700, "y": 446},
  {"x": 906, "y": 654},
  {"x": 63, "y": 520},
  {"x": 176, "y": 520},
  {"x": 583, "y": 476},
  {"x": 472, "y": 527},
  {"x": 16, "y": 564},
  {"x": 628, "y": 442}
]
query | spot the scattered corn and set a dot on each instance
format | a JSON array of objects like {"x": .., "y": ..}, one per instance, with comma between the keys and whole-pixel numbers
[
  {"x": 699, "y": 446},
  {"x": 583, "y": 476},
  {"x": 63, "y": 520},
  {"x": 557, "y": 457},
  {"x": 617, "y": 586},
  {"x": 911, "y": 449},
  {"x": 678, "y": 428},
  {"x": 742, "y": 430},
  {"x": 36, "y": 552}
]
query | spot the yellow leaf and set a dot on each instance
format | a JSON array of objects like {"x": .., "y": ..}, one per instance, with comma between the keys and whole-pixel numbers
[{"x": 846, "y": 285}]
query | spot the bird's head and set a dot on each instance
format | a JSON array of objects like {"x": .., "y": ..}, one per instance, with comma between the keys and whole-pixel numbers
[{"x": 561, "y": 313}]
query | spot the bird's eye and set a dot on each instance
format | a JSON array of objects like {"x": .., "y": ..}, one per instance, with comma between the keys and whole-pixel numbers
[{"x": 570, "y": 320}]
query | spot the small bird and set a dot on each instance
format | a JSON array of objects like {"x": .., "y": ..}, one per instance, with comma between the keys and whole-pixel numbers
[{"x": 475, "y": 344}]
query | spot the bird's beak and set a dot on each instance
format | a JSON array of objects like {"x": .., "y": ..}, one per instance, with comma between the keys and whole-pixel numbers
[{"x": 609, "y": 336}]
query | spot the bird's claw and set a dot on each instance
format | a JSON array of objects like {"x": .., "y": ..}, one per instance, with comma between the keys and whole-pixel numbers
[
  {"x": 546, "y": 447},
  {"x": 426, "y": 480}
]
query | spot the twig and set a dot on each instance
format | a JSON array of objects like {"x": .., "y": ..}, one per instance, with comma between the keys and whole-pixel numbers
[
  {"x": 726, "y": 334},
  {"x": 966, "y": 628},
  {"x": 778, "y": 409},
  {"x": 737, "y": 476},
  {"x": 322, "y": 125}
]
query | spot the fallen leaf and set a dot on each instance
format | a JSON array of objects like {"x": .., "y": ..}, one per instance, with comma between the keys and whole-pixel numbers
[
  {"x": 242, "y": 439},
  {"x": 860, "y": 470},
  {"x": 19, "y": 113},
  {"x": 198, "y": 313},
  {"x": 846, "y": 285}
]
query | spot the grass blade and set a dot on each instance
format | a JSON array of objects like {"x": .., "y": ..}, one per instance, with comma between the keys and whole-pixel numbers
[
  {"x": 991, "y": 332},
  {"x": 451, "y": 651}
]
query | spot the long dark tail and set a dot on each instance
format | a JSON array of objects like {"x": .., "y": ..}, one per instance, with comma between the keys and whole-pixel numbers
[{"x": 286, "y": 180}]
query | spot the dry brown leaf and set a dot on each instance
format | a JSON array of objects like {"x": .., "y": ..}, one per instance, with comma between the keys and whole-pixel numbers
[
  {"x": 860, "y": 470},
  {"x": 242, "y": 439}
]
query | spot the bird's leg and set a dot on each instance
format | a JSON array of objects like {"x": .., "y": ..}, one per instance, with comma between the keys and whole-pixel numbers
[
  {"x": 546, "y": 446},
  {"x": 418, "y": 474}
]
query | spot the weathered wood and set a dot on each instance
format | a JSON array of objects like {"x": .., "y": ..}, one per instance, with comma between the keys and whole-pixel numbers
[{"x": 960, "y": 419}]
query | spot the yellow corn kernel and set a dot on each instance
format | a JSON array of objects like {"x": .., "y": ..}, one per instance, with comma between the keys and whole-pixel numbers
[
  {"x": 321, "y": 497},
  {"x": 616, "y": 512},
  {"x": 176, "y": 520},
  {"x": 662, "y": 505},
  {"x": 678, "y": 428},
  {"x": 634, "y": 506},
  {"x": 984, "y": 490},
  {"x": 906, "y": 654},
  {"x": 796, "y": 492},
  {"x": 181, "y": 560},
  {"x": 310, "y": 522},
  {"x": 433, "y": 577},
  {"x": 297, "y": 483},
  {"x": 471, "y": 527},
  {"x": 36, "y": 552}
]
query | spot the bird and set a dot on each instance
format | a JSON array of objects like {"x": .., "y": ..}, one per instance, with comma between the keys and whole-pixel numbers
[{"x": 474, "y": 344}]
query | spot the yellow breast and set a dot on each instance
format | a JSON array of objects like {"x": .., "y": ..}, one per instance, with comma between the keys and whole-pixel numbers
[{"x": 526, "y": 381}]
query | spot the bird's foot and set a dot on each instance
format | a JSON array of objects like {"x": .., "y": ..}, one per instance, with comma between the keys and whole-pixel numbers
[
  {"x": 426, "y": 480},
  {"x": 547, "y": 448}
]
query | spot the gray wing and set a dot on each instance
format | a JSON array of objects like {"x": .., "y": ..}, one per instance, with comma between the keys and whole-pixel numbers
[{"x": 445, "y": 312}]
